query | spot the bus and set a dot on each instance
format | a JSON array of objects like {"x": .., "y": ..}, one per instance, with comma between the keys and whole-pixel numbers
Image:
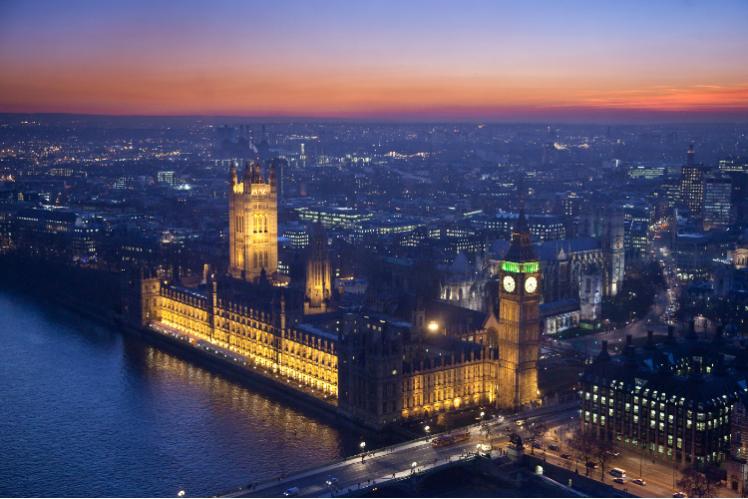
[
  {"x": 449, "y": 439},
  {"x": 618, "y": 472}
]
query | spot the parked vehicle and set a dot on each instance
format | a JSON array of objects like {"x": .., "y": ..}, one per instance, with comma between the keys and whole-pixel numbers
[
  {"x": 565, "y": 456},
  {"x": 592, "y": 464},
  {"x": 619, "y": 480},
  {"x": 292, "y": 492},
  {"x": 639, "y": 481},
  {"x": 680, "y": 494},
  {"x": 554, "y": 447}
]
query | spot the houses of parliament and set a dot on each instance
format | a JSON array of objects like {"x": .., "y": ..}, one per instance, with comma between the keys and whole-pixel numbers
[{"x": 370, "y": 367}]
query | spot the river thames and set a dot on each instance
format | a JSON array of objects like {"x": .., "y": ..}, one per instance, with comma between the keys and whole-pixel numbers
[{"x": 86, "y": 410}]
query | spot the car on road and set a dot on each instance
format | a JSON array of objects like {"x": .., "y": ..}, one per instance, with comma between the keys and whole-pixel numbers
[
  {"x": 680, "y": 494},
  {"x": 613, "y": 453},
  {"x": 554, "y": 447},
  {"x": 537, "y": 445},
  {"x": 639, "y": 481},
  {"x": 331, "y": 481},
  {"x": 591, "y": 464},
  {"x": 292, "y": 492},
  {"x": 565, "y": 456},
  {"x": 619, "y": 480}
]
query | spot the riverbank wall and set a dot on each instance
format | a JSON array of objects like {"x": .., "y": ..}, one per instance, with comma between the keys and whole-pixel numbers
[{"x": 98, "y": 295}]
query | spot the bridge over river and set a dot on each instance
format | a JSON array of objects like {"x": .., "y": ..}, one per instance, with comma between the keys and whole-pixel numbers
[{"x": 399, "y": 462}]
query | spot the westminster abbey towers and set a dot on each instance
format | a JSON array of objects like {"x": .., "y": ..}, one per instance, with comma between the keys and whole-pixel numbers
[{"x": 253, "y": 224}]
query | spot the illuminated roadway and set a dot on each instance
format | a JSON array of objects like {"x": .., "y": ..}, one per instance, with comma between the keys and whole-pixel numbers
[{"x": 397, "y": 462}]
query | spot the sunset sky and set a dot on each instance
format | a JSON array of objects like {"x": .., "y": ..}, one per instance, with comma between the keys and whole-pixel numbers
[{"x": 485, "y": 60}]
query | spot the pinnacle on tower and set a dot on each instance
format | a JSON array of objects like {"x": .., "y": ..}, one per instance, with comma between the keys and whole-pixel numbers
[
  {"x": 521, "y": 249},
  {"x": 690, "y": 156}
]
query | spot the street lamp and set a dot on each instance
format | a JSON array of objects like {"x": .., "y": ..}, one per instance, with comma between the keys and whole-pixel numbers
[
  {"x": 362, "y": 446},
  {"x": 413, "y": 467},
  {"x": 433, "y": 326},
  {"x": 427, "y": 428},
  {"x": 181, "y": 493}
]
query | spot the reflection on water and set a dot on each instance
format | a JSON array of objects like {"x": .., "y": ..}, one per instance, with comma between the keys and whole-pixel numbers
[{"x": 89, "y": 411}]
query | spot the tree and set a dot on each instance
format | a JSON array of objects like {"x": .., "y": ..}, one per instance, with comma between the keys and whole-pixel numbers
[
  {"x": 603, "y": 451},
  {"x": 591, "y": 445},
  {"x": 537, "y": 430},
  {"x": 698, "y": 482},
  {"x": 584, "y": 444}
]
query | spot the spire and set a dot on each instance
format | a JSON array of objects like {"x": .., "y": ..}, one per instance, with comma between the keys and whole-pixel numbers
[
  {"x": 690, "y": 155},
  {"x": 650, "y": 339},
  {"x": 629, "y": 351},
  {"x": 521, "y": 220},
  {"x": 233, "y": 174},
  {"x": 520, "y": 249},
  {"x": 256, "y": 173},
  {"x": 271, "y": 174},
  {"x": 521, "y": 225},
  {"x": 604, "y": 355},
  {"x": 247, "y": 175}
]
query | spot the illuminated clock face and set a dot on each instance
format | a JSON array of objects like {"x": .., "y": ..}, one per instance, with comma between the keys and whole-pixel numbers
[
  {"x": 531, "y": 284},
  {"x": 509, "y": 283}
]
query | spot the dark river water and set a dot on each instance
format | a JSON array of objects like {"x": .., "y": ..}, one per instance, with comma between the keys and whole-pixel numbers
[{"x": 86, "y": 410}]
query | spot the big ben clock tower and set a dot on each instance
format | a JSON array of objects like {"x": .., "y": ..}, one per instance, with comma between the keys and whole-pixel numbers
[{"x": 519, "y": 321}]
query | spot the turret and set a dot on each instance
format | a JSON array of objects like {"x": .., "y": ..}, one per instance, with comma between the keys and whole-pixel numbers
[
  {"x": 318, "y": 272},
  {"x": 650, "y": 339},
  {"x": 257, "y": 174},
  {"x": 247, "y": 176},
  {"x": 604, "y": 355},
  {"x": 271, "y": 177},
  {"x": 233, "y": 174}
]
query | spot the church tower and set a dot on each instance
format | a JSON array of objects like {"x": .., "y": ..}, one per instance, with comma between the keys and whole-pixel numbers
[
  {"x": 253, "y": 223},
  {"x": 318, "y": 273},
  {"x": 519, "y": 321}
]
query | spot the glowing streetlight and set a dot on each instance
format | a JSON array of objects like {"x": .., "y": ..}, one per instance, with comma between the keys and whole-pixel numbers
[
  {"x": 181, "y": 493},
  {"x": 413, "y": 467},
  {"x": 427, "y": 428},
  {"x": 433, "y": 326},
  {"x": 362, "y": 446}
]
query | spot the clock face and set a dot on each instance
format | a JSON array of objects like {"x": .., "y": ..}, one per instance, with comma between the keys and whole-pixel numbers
[
  {"x": 531, "y": 284},
  {"x": 509, "y": 283}
]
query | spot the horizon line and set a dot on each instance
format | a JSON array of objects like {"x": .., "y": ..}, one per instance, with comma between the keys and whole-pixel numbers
[{"x": 670, "y": 118}]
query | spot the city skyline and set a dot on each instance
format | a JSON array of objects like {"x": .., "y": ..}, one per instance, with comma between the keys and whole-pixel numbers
[
  {"x": 374, "y": 248},
  {"x": 537, "y": 61}
]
